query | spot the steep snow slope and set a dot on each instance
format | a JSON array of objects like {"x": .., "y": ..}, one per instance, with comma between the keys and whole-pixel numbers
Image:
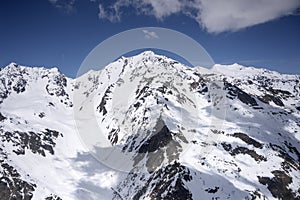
[{"x": 188, "y": 133}]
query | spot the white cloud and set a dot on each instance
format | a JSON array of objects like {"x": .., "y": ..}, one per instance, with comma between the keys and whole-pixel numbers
[
  {"x": 64, "y": 5},
  {"x": 113, "y": 12},
  {"x": 103, "y": 14},
  {"x": 150, "y": 34},
  {"x": 162, "y": 8},
  {"x": 215, "y": 16},
  {"x": 231, "y": 15}
]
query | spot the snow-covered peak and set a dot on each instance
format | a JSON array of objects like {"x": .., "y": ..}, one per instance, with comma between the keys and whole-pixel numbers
[
  {"x": 15, "y": 79},
  {"x": 14, "y": 69},
  {"x": 144, "y": 63},
  {"x": 147, "y": 56},
  {"x": 239, "y": 71},
  {"x": 236, "y": 70},
  {"x": 148, "y": 53},
  {"x": 268, "y": 86}
]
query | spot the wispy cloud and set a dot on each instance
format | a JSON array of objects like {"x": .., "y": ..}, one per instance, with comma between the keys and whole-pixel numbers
[
  {"x": 150, "y": 34},
  {"x": 161, "y": 9},
  {"x": 64, "y": 5},
  {"x": 53, "y": 1},
  {"x": 112, "y": 15},
  {"x": 214, "y": 16}
]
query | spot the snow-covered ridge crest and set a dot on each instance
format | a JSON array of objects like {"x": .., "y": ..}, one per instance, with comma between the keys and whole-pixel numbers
[{"x": 239, "y": 71}]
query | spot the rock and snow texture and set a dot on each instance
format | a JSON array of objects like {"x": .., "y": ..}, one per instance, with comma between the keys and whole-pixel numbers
[{"x": 231, "y": 132}]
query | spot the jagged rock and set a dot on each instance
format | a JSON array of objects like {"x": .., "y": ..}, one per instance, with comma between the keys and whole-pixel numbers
[
  {"x": 234, "y": 91},
  {"x": 12, "y": 186},
  {"x": 2, "y": 118},
  {"x": 278, "y": 185}
]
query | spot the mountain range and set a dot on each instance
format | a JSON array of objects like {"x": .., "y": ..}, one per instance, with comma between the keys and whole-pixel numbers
[{"x": 149, "y": 127}]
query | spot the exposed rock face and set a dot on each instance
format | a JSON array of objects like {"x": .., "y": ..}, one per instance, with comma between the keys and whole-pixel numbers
[
  {"x": 166, "y": 183},
  {"x": 35, "y": 142},
  {"x": 278, "y": 185},
  {"x": 12, "y": 186},
  {"x": 234, "y": 91}
]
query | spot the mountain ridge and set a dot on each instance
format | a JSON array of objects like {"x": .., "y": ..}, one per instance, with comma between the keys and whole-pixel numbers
[{"x": 192, "y": 133}]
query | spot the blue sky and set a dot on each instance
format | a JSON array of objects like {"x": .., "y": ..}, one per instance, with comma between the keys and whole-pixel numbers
[{"x": 263, "y": 33}]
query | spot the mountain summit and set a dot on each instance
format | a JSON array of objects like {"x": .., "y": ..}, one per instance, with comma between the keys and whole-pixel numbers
[{"x": 149, "y": 127}]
